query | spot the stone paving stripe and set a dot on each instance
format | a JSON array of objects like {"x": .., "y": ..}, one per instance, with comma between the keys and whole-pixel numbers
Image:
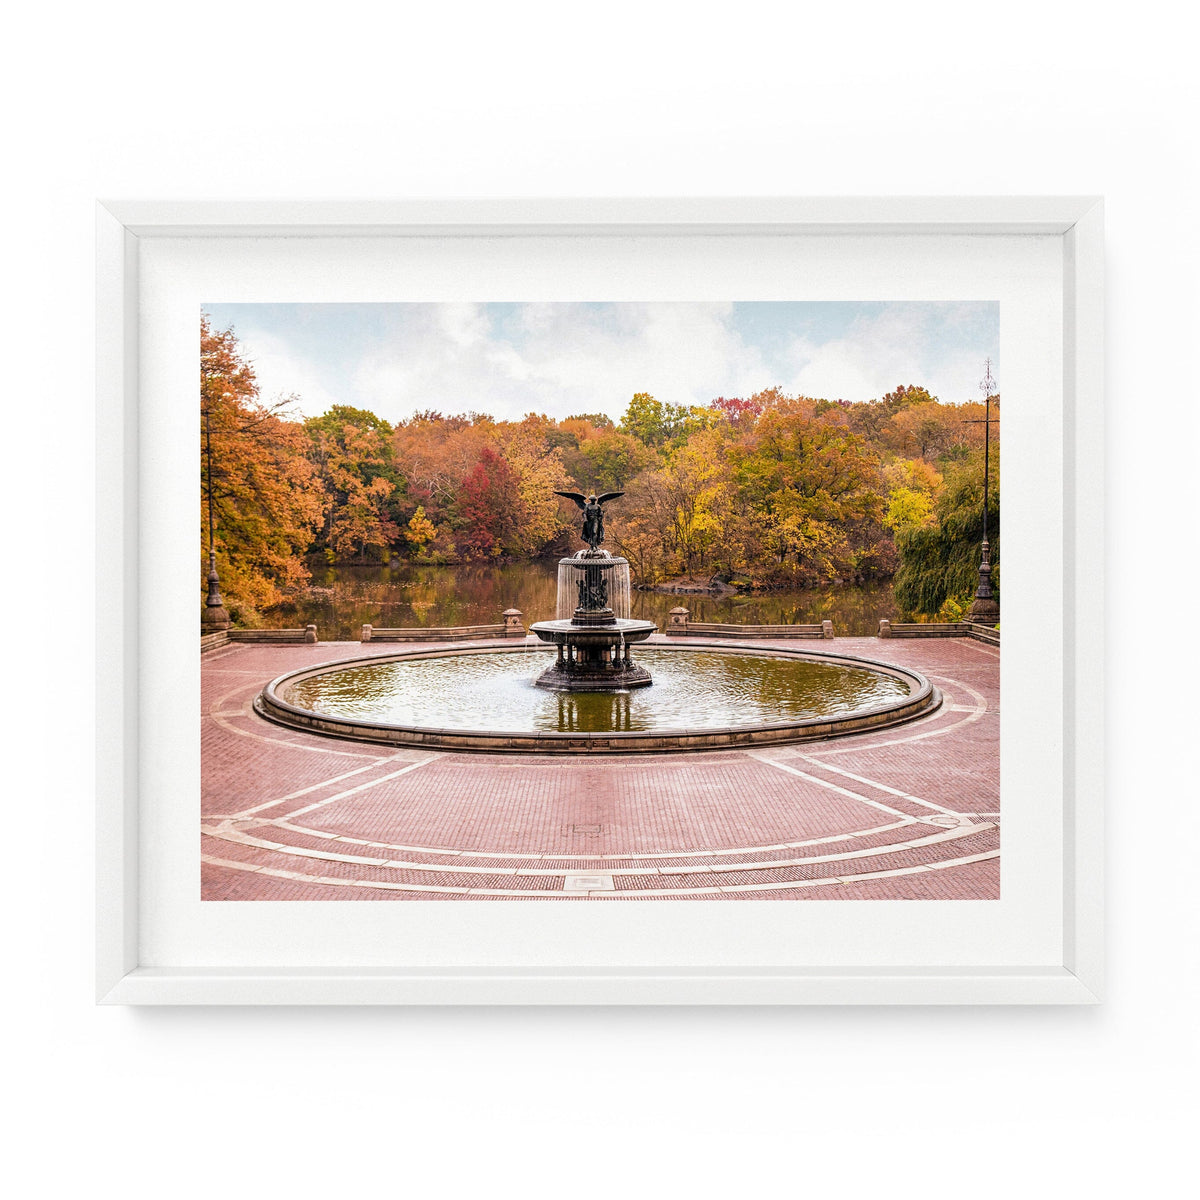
[
  {"x": 412, "y": 766},
  {"x": 761, "y": 756},
  {"x": 283, "y": 823},
  {"x": 245, "y": 839},
  {"x": 389, "y": 885},
  {"x": 871, "y": 852},
  {"x": 882, "y": 787},
  {"x": 246, "y": 712},
  {"x": 316, "y": 787}
]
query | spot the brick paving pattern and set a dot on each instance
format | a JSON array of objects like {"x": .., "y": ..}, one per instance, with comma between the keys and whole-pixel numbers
[{"x": 909, "y": 813}]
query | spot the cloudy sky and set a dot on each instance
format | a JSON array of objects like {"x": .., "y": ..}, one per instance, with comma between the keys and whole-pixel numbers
[{"x": 564, "y": 358}]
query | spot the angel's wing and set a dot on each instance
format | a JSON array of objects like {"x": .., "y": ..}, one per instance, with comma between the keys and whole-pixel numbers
[
  {"x": 608, "y": 496},
  {"x": 580, "y": 500}
]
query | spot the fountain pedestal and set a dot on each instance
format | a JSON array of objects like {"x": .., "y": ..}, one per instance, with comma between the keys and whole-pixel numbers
[{"x": 594, "y": 644}]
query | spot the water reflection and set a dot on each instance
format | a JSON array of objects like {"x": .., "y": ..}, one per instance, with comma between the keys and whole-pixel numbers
[
  {"x": 693, "y": 689},
  {"x": 594, "y": 712},
  {"x": 343, "y": 599}
]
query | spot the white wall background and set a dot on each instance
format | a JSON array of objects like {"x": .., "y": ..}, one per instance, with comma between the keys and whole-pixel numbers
[{"x": 267, "y": 100}]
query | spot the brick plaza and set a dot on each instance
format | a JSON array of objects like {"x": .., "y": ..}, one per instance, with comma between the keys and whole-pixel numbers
[{"x": 907, "y": 813}]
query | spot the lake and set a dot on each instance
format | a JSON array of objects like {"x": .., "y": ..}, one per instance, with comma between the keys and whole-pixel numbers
[{"x": 344, "y": 598}]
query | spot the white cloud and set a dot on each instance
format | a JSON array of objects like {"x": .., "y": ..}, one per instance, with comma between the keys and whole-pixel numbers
[
  {"x": 880, "y": 353},
  {"x": 565, "y": 358},
  {"x": 280, "y": 371},
  {"x": 560, "y": 360}
]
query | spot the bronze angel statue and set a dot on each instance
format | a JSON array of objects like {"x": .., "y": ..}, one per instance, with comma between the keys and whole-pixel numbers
[{"x": 593, "y": 514}]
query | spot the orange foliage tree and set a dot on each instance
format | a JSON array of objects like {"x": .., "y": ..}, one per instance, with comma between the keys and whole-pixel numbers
[
  {"x": 266, "y": 496},
  {"x": 353, "y": 454}
]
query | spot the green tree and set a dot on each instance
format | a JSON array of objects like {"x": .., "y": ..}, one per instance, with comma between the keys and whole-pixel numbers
[
  {"x": 652, "y": 422},
  {"x": 353, "y": 454},
  {"x": 606, "y": 463},
  {"x": 905, "y": 396},
  {"x": 939, "y": 562},
  {"x": 599, "y": 420}
]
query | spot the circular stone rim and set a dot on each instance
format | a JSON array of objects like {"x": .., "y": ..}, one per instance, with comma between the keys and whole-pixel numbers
[{"x": 923, "y": 699}]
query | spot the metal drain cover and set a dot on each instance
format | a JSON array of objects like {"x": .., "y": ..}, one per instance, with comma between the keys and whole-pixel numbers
[{"x": 591, "y": 882}]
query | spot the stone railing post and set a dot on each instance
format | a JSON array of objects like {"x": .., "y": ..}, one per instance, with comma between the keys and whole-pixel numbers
[
  {"x": 366, "y": 633},
  {"x": 310, "y": 633},
  {"x": 677, "y": 621},
  {"x": 512, "y": 623},
  {"x": 827, "y": 630},
  {"x": 885, "y": 627}
]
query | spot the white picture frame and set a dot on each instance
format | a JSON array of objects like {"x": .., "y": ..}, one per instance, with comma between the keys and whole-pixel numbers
[{"x": 128, "y": 753}]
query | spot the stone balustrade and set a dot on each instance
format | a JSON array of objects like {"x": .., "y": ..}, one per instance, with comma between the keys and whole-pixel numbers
[
  {"x": 679, "y": 624},
  {"x": 933, "y": 629},
  {"x": 511, "y": 627},
  {"x": 289, "y": 637}
]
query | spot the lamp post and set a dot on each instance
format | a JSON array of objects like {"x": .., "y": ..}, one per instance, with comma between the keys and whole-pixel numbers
[
  {"x": 216, "y": 616},
  {"x": 985, "y": 608}
]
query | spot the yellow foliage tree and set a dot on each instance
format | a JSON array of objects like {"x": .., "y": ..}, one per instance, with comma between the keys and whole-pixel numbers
[
  {"x": 540, "y": 473},
  {"x": 420, "y": 530}
]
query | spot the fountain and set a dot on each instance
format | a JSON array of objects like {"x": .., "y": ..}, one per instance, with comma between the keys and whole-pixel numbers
[
  {"x": 593, "y": 644},
  {"x": 482, "y": 697}
]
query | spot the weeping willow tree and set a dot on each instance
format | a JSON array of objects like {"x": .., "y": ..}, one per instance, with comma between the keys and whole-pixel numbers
[{"x": 939, "y": 561}]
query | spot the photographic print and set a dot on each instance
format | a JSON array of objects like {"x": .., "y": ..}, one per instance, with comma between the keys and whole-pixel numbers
[{"x": 600, "y": 601}]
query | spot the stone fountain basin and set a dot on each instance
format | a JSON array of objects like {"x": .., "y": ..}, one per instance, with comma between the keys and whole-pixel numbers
[{"x": 921, "y": 699}]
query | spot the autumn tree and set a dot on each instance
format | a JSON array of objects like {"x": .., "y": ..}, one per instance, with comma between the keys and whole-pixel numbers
[
  {"x": 436, "y": 453},
  {"x": 352, "y": 452},
  {"x": 606, "y": 463},
  {"x": 741, "y": 414},
  {"x": 640, "y": 526},
  {"x": 925, "y": 430},
  {"x": 783, "y": 489},
  {"x": 490, "y": 509},
  {"x": 868, "y": 419},
  {"x": 267, "y": 499},
  {"x": 420, "y": 530},
  {"x": 812, "y": 491},
  {"x": 912, "y": 486},
  {"x": 905, "y": 396},
  {"x": 538, "y": 466},
  {"x": 697, "y": 481}
]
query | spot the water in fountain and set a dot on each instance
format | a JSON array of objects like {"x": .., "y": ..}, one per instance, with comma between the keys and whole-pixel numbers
[
  {"x": 566, "y": 592},
  {"x": 697, "y": 688},
  {"x": 620, "y": 597}
]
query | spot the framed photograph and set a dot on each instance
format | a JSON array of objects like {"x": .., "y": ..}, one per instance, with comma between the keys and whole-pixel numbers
[{"x": 600, "y": 602}]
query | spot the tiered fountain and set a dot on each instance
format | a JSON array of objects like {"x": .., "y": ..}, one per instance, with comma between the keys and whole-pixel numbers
[
  {"x": 594, "y": 642},
  {"x": 481, "y": 697}
]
